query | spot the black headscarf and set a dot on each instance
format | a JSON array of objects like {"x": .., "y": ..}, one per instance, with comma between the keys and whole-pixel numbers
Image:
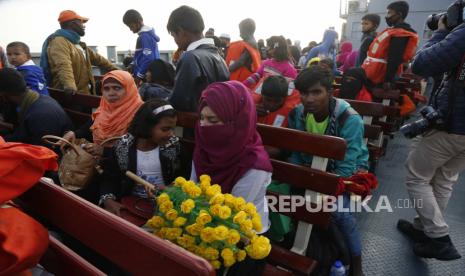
[{"x": 350, "y": 87}]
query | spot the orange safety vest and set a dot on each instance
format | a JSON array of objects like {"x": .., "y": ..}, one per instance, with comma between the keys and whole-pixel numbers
[
  {"x": 234, "y": 52},
  {"x": 279, "y": 117},
  {"x": 376, "y": 62}
]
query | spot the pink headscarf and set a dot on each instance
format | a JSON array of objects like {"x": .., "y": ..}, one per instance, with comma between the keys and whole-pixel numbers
[
  {"x": 346, "y": 48},
  {"x": 350, "y": 61},
  {"x": 226, "y": 152}
]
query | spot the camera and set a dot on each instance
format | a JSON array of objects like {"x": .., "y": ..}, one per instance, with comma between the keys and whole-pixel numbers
[
  {"x": 431, "y": 118},
  {"x": 453, "y": 16}
]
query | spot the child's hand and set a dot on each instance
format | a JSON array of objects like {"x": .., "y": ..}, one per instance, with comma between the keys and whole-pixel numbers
[{"x": 261, "y": 111}]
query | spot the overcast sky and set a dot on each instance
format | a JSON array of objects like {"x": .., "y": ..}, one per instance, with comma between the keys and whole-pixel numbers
[{"x": 31, "y": 21}]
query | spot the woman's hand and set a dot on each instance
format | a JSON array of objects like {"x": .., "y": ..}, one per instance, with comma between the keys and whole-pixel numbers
[
  {"x": 94, "y": 149},
  {"x": 113, "y": 206}
]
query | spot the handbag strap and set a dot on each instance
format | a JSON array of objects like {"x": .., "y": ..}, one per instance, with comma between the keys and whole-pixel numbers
[
  {"x": 46, "y": 138},
  {"x": 110, "y": 140}
]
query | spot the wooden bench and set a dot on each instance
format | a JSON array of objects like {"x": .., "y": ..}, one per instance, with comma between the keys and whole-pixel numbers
[
  {"x": 373, "y": 115},
  {"x": 60, "y": 260},
  {"x": 132, "y": 249}
]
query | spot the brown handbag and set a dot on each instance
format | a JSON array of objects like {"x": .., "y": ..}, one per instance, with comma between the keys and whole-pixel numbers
[{"x": 77, "y": 166}]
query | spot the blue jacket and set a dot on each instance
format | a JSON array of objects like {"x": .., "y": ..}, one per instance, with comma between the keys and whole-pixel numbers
[
  {"x": 44, "y": 117},
  {"x": 149, "y": 91},
  {"x": 351, "y": 129},
  {"x": 443, "y": 54},
  {"x": 326, "y": 49},
  {"x": 146, "y": 51},
  {"x": 34, "y": 77}
]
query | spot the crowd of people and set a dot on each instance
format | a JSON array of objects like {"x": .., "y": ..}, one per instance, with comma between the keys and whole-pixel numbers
[{"x": 232, "y": 86}]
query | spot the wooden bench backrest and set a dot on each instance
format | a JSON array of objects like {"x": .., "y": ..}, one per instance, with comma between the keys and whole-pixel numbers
[
  {"x": 134, "y": 250},
  {"x": 60, "y": 260}
]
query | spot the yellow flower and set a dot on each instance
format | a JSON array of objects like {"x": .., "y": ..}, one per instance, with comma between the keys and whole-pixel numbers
[
  {"x": 156, "y": 222},
  {"x": 171, "y": 214},
  {"x": 224, "y": 212},
  {"x": 163, "y": 198},
  {"x": 240, "y": 217},
  {"x": 216, "y": 264},
  {"x": 246, "y": 225},
  {"x": 203, "y": 217},
  {"x": 250, "y": 234},
  {"x": 259, "y": 248},
  {"x": 233, "y": 237},
  {"x": 215, "y": 209},
  {"x": 204, "y": 185},
  {"x": 211, "y": 253},
  {"x": 186, "y": 241},
  {"x": 239, "y": 203},
  {"x": 179, "y": 221},
  {"x": 221, "y": 232},
  {"x": 213, "y": 190},
  {"x": 194, "y": 229},
  {"x": 250, "y": 209},
  {"x": 187, "y": 186},
  {"x": 228, "y": 257},
  {"x": 205, "y": 178},
  {"x": 172, "y": 233},
  {"x": 217, "y": 199},
  {"x": 194, "y": 191},
  {"x": 162, "y": 232},
  {"x": 229, "y": 200},
  {"x": 207, "y": 234},
  {"x": 257, "y": 223},
  {"x": 179, "y": 181},
  {"x": 187, "y": 206},
  {"x": 240, "y": 255},
  {"x": 166, "y": 206}
]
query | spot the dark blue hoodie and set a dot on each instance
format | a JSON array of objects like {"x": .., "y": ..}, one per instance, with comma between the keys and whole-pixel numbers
[
  {"x": 146, "y": 51},
  {"x": 34, "y": 77}
]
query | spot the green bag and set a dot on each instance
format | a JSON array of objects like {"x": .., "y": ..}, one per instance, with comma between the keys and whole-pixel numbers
[{"x": 280, "y": 224}]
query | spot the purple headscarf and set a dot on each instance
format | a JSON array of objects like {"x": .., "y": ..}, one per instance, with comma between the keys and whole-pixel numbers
[{"x": 226, "y": 152}]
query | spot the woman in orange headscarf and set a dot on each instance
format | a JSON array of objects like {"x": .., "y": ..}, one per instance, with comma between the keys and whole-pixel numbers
[{"x": 120, "y": 101}]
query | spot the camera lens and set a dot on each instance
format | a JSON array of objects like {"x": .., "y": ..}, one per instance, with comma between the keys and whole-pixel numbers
[{"x": 433, "y": 20}]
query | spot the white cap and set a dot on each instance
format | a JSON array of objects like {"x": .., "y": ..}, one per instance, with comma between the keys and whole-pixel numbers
[{"x": 225, "y": 35}]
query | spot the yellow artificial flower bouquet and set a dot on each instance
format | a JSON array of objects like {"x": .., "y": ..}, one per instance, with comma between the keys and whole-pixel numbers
[{"x": 218, "y": 227}]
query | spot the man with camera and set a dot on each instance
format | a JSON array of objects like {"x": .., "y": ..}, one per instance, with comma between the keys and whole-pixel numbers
[{"x": 438, "y": 156}]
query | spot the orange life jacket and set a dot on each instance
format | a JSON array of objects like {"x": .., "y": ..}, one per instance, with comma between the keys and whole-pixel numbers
[
  {"x": 22, "y": 239},
  {"x": 279, "y": 117},
  {"x": 234, "y": 52},
  {"x": 376, "y": 62}
]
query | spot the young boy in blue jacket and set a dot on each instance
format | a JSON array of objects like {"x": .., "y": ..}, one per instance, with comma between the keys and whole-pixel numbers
[
  {"x": 19, "y": 56},
  {"x": 146, "y": 46},
  {"x": 321, "y": 113}
]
